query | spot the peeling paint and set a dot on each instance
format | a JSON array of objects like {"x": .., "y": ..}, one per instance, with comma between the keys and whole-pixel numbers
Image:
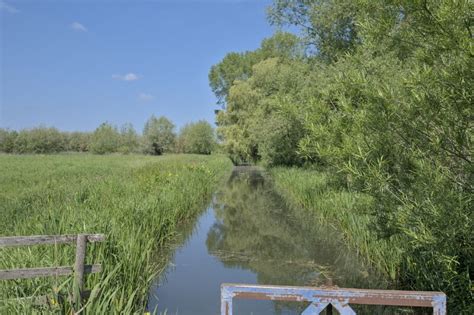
[{"x": 339, "y": 298}]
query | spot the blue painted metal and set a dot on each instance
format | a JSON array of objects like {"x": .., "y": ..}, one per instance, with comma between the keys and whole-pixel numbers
[{"x": 339, "y": 298}]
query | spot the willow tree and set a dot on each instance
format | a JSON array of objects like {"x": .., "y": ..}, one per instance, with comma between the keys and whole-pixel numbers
[{"x": 158, "y": 136}]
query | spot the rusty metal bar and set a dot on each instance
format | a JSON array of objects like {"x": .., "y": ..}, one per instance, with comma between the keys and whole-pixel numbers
[{"x": 339, "y": 298}]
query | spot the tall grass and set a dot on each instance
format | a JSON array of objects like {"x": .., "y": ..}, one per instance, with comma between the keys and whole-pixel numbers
[
  {"x": 136, "y": 201},
  {"x": 349, "y": 212}
]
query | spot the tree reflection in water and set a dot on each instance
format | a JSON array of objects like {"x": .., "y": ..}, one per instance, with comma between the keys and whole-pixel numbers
[{"x": 256, "y": 230}]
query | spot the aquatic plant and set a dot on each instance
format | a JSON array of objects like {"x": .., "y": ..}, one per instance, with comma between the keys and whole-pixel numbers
[{"x": 136, "y": 201}]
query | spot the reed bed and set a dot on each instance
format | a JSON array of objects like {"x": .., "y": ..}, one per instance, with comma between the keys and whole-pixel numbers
[
  {"x": 136, "y": 201},
  {"x": 347, "y": 211}
]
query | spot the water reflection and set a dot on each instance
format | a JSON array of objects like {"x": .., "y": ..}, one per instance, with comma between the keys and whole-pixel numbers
[
  {"x": 255, "y": 230},
  {"x": 249, "y": 235}
]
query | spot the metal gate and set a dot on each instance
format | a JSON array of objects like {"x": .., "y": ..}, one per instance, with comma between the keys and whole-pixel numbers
[{"x": 337, "y": 298}]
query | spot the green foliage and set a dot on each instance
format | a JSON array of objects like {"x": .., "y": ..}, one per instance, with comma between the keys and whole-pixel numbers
[
  {"x": 382, "y": 100},
  {"x": 158, "y": 136},
  {"x": 105, "y": 139},
  {"x": 198, "y": 137},
  {"x": 129, "y": 139},
  {"x": 136, "y": 201},
  {"x": 78, "y": 141},
  {"x": 39, "y": 140},
  {"x": 263, "y": 117},
  {"x": 328, "y": 26},
  {"x": 7, "y": 140},
  {"x": 238, "y": 66}
]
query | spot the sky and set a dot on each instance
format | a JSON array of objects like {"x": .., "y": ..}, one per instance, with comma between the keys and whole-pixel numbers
[{"x": 74, "y": 64}]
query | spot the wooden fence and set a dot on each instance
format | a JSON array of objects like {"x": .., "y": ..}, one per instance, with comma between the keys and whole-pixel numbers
[{"x": 79, "y": 270}]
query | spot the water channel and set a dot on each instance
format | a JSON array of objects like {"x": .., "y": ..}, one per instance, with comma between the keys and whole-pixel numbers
[{"x": 249, "y": 235}]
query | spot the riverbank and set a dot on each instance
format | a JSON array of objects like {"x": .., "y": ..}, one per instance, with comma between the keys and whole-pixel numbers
[
  {"x": 250, "y": 235},
  {"x": 136, "y": 201},
  {"x": 348, "y": 211},
  {"x": 399, "y": 257}
]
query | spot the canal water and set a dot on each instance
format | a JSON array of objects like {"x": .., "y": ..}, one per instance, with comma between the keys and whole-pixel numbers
[{"x": 249, "y": 235}]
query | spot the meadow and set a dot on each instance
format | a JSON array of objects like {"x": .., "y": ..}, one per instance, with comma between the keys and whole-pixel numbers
[{"x": 136, "y": 201}]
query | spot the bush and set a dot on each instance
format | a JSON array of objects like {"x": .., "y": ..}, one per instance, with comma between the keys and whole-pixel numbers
[
  {"x": 78, "y": 141},
  {"x": 39, "y": 140},
  {"x": 7, "y": 140},
  {"x": 129, "y": 140},
  {"x": 105, "y": 139},
  {"x": 197, "y": 138},
  {"x": 158, "y": 136}
]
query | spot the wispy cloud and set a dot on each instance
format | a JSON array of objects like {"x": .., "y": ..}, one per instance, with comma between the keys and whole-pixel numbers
[
  {"x": 126, "y": 77},
  {"x": 8, "y": 8},
  {"x": 78, "y": 27},
  {"x": 145, "y": 97}
]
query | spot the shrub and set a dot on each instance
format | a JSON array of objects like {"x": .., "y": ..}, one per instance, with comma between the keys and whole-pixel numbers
[
  {"x": 39, "y": 140},
  {"x": 78, "y": 141},
  {"x": 105, "y": 139},
  {"x": 7, "y": 140},
  {"x": 129, "y": 140},
  {"x": 197, "y": 138},
  {"x": 158, "y": 136}
]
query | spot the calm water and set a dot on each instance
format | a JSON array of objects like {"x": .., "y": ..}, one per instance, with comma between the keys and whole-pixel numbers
[{"x": 249, "y": 235}]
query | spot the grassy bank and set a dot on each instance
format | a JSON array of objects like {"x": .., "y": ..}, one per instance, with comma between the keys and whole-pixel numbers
[
  {"x": 136, "y": 201},
  {"x": 417, "y": 258},
  {"x": 348, "y": 212}
]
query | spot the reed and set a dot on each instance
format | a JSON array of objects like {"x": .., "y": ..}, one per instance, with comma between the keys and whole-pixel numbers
[
  {"x": 347, "y": 211},
  {"x": 136, "y": 201}
]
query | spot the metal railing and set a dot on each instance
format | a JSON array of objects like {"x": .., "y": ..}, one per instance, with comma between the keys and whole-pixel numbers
[{"x": 337, "y": 298}]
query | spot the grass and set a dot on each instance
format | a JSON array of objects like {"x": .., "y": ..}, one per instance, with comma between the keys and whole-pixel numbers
[
  {"x": 347, "y": 211},
  {"x": 136, "y": 201}
]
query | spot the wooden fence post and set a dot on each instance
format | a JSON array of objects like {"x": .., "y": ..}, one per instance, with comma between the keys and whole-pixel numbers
[{"x": 81, "y": 246}]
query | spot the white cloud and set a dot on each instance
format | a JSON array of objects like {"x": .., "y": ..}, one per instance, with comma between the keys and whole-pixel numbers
[
  {"x": 78, "y": 27},
  {"x": 145, "y": 97},
  {"x": 126, "y": 77},
  {"x": 8, "y": 8}
]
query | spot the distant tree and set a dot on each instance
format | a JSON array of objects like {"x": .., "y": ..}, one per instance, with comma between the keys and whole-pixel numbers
[
  {"x": 78, "y": 141},
  {"x": 7, "y": 140},
  {"x": 105, "y": 139},
  {"x": 158, "y": 136},
  {"x": 39, "y": 140},
  {"x": 197, "y": 138},
  {"x": 129, "y": 139}
]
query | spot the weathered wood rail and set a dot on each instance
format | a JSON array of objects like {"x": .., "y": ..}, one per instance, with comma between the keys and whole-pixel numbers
[
  {"x": 328, "y": 298},
  {"x": 79, "y": 270}
]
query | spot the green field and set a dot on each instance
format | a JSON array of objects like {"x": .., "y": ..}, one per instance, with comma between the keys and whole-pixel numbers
[{"x": 136, "y": 201}]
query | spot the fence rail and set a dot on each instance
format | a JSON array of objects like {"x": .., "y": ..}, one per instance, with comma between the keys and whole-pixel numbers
[
  {"x": 78, "y": 270},
  {"x": 11, "y": 241},
  {"x": 338, "y": 298}
]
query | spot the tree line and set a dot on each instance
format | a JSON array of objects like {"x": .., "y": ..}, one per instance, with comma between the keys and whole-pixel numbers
[
  {"x": 380, "y": 94},
  {"x": 158, "y": 137}
]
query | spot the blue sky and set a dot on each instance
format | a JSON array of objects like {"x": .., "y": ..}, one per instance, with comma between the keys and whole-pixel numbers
[{"x": 75, "y": 64}]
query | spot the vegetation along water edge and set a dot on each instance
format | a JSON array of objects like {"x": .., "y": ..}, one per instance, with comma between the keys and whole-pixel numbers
[{"x": 136, "y": 201}]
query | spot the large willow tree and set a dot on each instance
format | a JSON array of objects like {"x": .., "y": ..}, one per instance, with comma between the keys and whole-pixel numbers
[{"x": 381, "y": 93}]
